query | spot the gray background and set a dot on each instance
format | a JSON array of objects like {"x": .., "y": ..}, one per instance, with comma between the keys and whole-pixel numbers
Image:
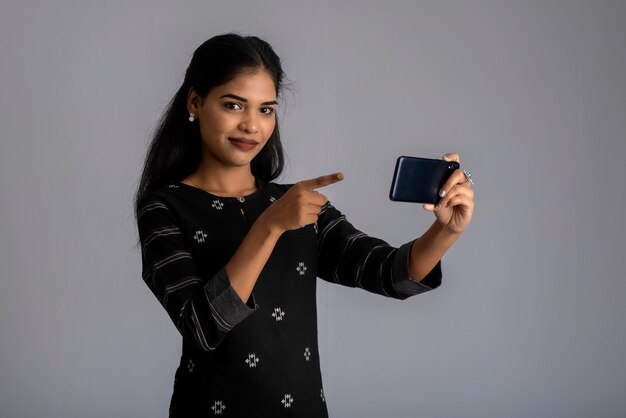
[{"x": 530, "y": 319}]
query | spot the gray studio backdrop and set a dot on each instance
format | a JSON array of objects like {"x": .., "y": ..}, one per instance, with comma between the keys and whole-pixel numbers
[{"x": 530, "y": 320}]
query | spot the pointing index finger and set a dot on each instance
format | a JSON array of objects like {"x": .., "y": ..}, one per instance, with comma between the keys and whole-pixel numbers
[{"x": 322, "y": 181}]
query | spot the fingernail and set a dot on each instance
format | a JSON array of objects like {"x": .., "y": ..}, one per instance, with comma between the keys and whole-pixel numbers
[
  {"x": 442, "y": 193},
  {"x": 438, "y": 206},
  {"x": 445, "y": 157},
  {"x": 340, "y": 176}
]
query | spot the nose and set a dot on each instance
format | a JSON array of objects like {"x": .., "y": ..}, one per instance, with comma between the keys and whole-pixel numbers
[{"x": 249, "y": 124}]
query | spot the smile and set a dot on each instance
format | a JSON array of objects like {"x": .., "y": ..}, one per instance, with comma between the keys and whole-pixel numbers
[{"x": 243, "y": 144}]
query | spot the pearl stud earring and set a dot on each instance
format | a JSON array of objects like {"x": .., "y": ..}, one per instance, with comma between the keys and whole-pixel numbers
[{"x": 192, "y": 117}]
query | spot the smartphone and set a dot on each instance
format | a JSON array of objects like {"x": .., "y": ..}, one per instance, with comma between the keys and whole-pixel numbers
[{"x": 419, "y": 180}]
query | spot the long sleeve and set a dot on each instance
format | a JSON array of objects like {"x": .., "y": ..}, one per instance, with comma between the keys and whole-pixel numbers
[
  {"x": 203, "y": 309},
  {"x": 350, "y": 257}
]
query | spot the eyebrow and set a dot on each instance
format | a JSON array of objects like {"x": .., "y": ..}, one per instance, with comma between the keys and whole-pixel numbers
[{"x": 233, "y": 96}]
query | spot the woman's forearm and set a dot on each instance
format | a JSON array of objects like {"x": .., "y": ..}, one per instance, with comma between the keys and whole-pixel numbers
[
  {"x": 428, "y": 249},
  {"x": 299, "y": 206},
  {"x": 246, "y": 264}
]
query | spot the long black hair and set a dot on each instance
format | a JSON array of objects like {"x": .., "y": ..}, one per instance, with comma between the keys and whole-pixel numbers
[{"x": 176, "y": 147}]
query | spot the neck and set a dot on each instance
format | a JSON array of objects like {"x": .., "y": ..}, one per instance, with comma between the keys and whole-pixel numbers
[{"x": 225, "y": 181}]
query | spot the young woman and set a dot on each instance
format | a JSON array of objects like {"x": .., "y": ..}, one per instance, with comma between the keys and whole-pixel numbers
[{"x": 233, "y": 257}]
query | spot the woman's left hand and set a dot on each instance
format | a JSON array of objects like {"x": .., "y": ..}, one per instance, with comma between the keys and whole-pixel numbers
[{"x": 454, "y": 210}]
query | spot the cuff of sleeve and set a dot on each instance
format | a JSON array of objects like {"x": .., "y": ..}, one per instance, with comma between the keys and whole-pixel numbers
[
  {"x": 403, "y": 283},
  {"x": 225, "y": 303}
]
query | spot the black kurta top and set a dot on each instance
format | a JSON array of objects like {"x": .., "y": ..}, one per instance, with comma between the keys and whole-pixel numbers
[{"x": 258, "y": 358}]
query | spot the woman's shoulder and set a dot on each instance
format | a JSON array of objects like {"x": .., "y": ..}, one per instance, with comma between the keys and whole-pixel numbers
[
  {"x": 161, "y": 191},
  {"x": 278, "y": 186},
  {"x": 172, "y": 193},
  {"x": 276, "y": 189},
  {"x": 161, "y": 195}
]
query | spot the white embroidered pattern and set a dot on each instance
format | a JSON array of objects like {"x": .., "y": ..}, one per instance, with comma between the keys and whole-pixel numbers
[
  {"x": 252, "y": 360},
  {"x": 315, "y": 227},
  {"x": 278, "y": 314},
  {"x": 301, "y": 268},
  {"x": 287, "y": 400},
  {"x": 190, "y": 366},
  {"x": 272, "y": 199},
  {"x": 322, "y": 395},
  {"x": 200, "y": 236},
  {"x": 217, "y": 204},
  {"x": 307, "y": 353},
  {"x": 173, "y": 186},
  {"x": 218, "y": 407}
]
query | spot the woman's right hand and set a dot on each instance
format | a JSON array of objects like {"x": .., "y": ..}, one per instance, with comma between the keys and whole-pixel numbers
[{"x": 300, "y": 205}]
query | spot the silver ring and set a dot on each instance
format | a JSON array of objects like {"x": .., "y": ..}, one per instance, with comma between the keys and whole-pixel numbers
[{"x": 468, "y": 176}]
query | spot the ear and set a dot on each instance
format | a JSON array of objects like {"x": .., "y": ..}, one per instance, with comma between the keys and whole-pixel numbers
[{"x": 194, "y": 101}]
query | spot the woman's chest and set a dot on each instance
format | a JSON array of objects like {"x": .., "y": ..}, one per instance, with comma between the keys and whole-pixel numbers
[{"x": 214, "y": 231}]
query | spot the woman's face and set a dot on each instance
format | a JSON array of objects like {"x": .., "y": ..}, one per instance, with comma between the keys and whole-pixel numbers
[{"x": 236, "y": 119}]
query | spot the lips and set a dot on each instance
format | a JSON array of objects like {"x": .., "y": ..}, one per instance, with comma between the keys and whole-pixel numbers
[{"x": 243, "y": 143}]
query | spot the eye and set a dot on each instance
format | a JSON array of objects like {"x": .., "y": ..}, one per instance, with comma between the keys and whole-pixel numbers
[
  {"x": 232, "y": 105},
  {"x": 267, "y": 110}
]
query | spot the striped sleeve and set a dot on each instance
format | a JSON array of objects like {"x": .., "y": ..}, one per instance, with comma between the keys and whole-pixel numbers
[
  {"x": 202, "y": 310},
  {"x": 350, "y": 257}
]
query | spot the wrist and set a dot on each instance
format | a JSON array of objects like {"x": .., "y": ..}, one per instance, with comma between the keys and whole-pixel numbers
[
  {"x": 270, "y": 230},
  {"x": 443, "y": 231}
]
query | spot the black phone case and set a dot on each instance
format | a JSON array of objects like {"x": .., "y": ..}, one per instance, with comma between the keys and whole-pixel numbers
[{"x": 419, "y": 180}]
